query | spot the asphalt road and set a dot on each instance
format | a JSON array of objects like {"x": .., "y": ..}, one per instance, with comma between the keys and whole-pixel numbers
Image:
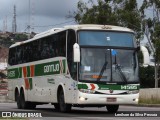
[{"x": 48, "y": 112}]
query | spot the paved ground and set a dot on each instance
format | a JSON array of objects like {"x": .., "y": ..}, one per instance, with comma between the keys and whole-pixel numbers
[{"x": 48, "y": 112}]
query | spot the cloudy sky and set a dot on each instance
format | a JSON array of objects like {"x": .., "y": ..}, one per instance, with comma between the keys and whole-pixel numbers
[{"x": 44, "y": 14}]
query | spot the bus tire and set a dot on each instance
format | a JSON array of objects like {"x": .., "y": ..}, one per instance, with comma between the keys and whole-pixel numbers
[
  {"x": 22, "y": 100},
  {"x": 24, "y": 104},
  {"x": 56, "y": 106},
  {"x": 112, "y": 108},
  {"x": 30, "y": 105},
  {"x": 17, "y": 99},
  {"x": 62, "y": 105}
]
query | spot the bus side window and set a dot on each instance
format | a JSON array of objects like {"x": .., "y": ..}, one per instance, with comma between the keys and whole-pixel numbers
[
  {"x": 71, "y": 65},
  {"x": 62, "y": 44},
  {"x": 12, "y": 56},
  {"x": 18, "y": 55},
  {"x": 51, "y": 50},
  {"x": 45, "y": 48},
  {"x": 25, "y": 53},
  {"x": 54, "y": 44},
  {"x": 34, "y": 47}
]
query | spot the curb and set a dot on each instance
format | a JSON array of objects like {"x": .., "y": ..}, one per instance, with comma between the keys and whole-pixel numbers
[
  {"x": 145, "y": 105},
  {"x": 149, "y": 105}
]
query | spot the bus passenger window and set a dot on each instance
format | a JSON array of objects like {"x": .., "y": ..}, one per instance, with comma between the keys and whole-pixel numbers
[{"x": 12, "y": 56}]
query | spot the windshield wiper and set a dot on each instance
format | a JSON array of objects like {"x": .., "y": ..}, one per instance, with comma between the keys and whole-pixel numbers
[
  {"x": 102, "y": 71},
  {"x": 121, "y": 73}
]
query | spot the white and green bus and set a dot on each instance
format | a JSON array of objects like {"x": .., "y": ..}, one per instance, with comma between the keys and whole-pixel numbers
[{"x": 76, "y": 66}]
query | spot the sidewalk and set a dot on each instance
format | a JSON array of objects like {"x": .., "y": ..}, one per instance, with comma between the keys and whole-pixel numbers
[{"x": 4, "y": 99}]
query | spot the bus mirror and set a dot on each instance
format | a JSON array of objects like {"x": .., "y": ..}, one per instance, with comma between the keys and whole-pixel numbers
[
  {"x": 146, "y": 59},
  {"x": 76, "y": 53}
]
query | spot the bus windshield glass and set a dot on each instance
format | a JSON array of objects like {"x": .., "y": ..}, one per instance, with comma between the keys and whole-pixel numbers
[
  {"x": 108, "y": 65},
  {"x": 103, "y": 38},
  {"x": 105, "y": 59}
]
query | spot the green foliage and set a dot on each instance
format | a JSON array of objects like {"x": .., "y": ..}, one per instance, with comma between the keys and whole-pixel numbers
[
  {"x": 110, "y": 12},
  {"x": 7, "y": 39},
  {"x": 147, "y": 77},
  {"x": 6, "y": 42},
  {"x": 151, "y": 25},
  {"x": 97, "y": 14},
  {"x": 20, "y": 37}
]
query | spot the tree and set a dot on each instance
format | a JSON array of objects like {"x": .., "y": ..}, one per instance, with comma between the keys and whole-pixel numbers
[
  {"x": 110, "y": 12},
  {"x": 151, "y": 28}
]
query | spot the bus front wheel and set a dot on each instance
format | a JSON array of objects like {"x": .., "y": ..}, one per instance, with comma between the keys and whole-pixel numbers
[
  {"x": 112, "y": 108},
  {"x": 62, "y": 105},
  {"x": 56, "y": 106}
]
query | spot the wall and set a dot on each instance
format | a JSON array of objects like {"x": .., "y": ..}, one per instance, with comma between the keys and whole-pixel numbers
[{"x": 150, "y": 95}]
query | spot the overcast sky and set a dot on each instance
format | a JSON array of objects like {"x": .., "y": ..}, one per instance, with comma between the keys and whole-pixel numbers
[{"x": 42, "y": 13}]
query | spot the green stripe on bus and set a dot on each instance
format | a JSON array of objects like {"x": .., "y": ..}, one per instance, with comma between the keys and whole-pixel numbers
[
  {"x": 13, "y": 73},
  {"x": 64, "y": 66},
  {"x": 82, "y": 86},
  {"x": 20, "y": 72},
  {"x": 111, "y": 87},
  {"x": 49, "y": 68},
  {"x": 118, "y": 87}
]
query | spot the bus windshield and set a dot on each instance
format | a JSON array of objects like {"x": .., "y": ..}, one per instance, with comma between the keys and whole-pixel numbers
[
  {"x": 108, "y": 65},
  {"x": 104, "y": 59},
  {"x": 103, "y": 38}
]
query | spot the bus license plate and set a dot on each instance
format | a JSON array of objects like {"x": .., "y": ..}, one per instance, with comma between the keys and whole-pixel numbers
[{"x": 111, "y": 99}]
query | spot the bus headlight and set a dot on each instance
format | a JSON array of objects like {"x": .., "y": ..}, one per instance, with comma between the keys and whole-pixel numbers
[
  {"x": 133, "y": 91},
  {"x": 87, "y": 91}
]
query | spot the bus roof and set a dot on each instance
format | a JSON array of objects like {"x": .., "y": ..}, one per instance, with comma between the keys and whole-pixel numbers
[{"x": 75, "y": 27}]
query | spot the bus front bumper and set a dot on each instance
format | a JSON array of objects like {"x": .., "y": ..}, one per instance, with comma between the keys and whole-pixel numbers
[{"x": 84, "y": 98}]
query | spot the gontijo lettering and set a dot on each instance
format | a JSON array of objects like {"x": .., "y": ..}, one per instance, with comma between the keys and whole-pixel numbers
[{"x": 51, "y": 68}]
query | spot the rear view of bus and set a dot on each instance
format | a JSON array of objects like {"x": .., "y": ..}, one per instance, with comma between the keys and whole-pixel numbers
[{"x": 108, "y": 67}]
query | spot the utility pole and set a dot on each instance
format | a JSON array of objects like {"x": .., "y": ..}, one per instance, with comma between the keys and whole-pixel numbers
[
  {"x": 14, "y": 25},
  {"x": 29, "y": 21}
]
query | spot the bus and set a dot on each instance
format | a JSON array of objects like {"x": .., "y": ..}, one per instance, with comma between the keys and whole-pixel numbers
[{"x": 75, "y": 66}]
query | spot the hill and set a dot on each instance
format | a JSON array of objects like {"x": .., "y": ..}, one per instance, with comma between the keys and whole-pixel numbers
[
  {"x": 6, "y": 40},
  {"x": 3, "y": 53}
]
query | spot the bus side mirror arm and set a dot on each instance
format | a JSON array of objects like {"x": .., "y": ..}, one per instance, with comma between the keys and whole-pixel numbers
[
  {"x": 76, "y": 53},
  {"x": 138, "y": 48}
]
